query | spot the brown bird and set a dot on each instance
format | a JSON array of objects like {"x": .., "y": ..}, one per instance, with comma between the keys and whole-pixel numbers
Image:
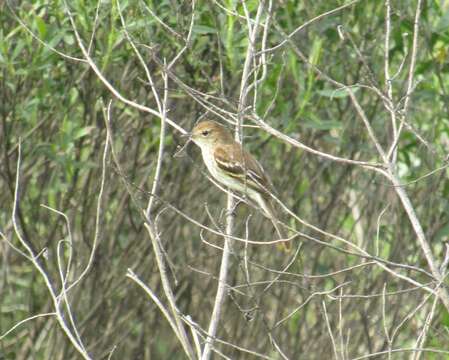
[{"x": 235, "y": 168}]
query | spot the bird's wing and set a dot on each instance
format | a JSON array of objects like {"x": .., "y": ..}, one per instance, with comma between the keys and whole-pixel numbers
[{"x": 238, "y": 163}]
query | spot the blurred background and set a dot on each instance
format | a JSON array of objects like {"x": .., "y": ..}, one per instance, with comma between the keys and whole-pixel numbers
[{"x": 55, "y": 106}]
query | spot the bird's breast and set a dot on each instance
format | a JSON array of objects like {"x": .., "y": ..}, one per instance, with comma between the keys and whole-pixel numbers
[
  {"x": 208, "y": 158},
  {"x": 225, "y": 179}
]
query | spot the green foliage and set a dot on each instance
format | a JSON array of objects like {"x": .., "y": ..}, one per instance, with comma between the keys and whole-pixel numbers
[{"x": 55, "y": 106}]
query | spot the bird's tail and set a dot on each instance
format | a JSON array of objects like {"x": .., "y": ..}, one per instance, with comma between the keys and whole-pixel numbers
[{"x": 270, "y": 213}]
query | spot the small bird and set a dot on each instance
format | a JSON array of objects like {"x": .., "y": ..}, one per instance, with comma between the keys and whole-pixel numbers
[{"x": 235, "y": 168}]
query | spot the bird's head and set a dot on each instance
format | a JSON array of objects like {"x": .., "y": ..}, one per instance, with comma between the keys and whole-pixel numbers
[{"x": 209, "y": 133}]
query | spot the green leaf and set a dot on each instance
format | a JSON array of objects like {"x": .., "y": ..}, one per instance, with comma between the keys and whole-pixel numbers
[
  {"x": 294, "y": 323},
  {"x": 83, "y": 132},
  {"x": 322, "y": 125},
  {"x": 203, "y": 29},
  {"x": 443, "y": 24},
  {"x": 442, "y": 234},
  {"x": 17, "y": 50},
  {"x": 445, "y": 317},
  {"x": 315, "y": 53},
  {"x": 69, "y": 39},
  {"x": 338, "y": 93},
  {"x": 41, "y": 27}
]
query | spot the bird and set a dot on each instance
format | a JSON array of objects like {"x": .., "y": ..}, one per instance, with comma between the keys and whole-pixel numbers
[{"x": 235, "y": 168}]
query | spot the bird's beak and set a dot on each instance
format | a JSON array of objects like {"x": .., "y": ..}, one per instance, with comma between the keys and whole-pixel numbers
[{"x": 188, "y": 138}]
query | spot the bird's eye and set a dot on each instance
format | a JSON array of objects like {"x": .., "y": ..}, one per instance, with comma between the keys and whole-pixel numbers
[{"x": 205, "y": 132}]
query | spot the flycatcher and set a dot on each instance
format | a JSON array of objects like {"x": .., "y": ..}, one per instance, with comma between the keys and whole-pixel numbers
[{"x": 235, "y": 168}]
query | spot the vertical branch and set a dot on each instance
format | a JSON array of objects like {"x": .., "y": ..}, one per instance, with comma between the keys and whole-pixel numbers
[
  {"x": 329, "y": 329},
  {"x": 160, "y": 155},
  {"x": 222, "y": 279},
  {"x": 425, "y": 247},
  {"x": 156, "y": 300},
  {"x": 34, "y": 259},
  {"x": 384, "y": 321},
  {"x": 182, "y": 335},
  {"x": 340, "y": 324},
  {"x": 64, "y": 277},
  {"x": 97, "y": 216},
  {"x": 398, "y": 187},
  {"x": 172, "y": 316},
  {"x": 411, "y": 73},
  {"x": 149, "y": 225},
  {"x": 244, "y": 86},
  {"x": 421, "y": 340},
  {"x": 411, "y": 76},
  {"x": 155, "y": 240},
  {"x": 388, "y": 80}
]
